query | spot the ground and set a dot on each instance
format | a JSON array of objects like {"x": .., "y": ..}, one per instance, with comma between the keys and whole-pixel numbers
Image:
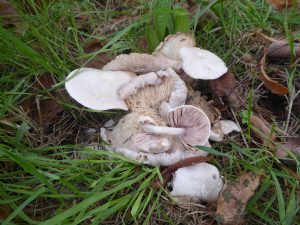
[{"x": 50, "y": 175}]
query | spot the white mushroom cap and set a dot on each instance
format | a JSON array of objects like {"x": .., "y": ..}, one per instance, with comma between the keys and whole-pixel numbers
[
  {"x": 201, "y": 181},
  {"x": 201, "y": 64},
  {"x": 97, "y": 89},
  {"x": 196, "y": 124}
]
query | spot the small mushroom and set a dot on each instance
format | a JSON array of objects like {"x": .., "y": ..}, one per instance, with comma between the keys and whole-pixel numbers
[
  {"x": 172, "y": 44},
  {"x": 193, "y": 121},
  {"x": 198, "y": 182},
  {"x": 221, "y": 128},
  {"x": 97, "y": 89},
  {"x": 201, "y": 64},
  {"x": 141, "y": 63}
]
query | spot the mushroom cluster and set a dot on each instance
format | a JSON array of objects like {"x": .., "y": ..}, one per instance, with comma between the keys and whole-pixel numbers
[{"x": 166, "y": 118}]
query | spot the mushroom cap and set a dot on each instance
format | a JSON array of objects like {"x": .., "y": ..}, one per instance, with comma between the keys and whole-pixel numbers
[
  {"x": 201, "y": 64},
  {"x": 141, "y": 63},
  {"x": 194, "y": 120},
  {"x": 97, "y": 89},
  {"x": 201, "y": 181},
  {"x": 172, "y": 44}
]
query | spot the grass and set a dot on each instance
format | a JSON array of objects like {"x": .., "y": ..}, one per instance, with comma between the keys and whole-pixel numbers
[{"x": 49, "y": 176}]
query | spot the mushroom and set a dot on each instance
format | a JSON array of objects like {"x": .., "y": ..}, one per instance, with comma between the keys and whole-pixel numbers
[
  {"x": 193, "y": 123},
  {"x": 141, "y": 63},
  {"x": 172, "y": 44},
  {"x": 97, "y": 89},
  {"x": 201, "y": 181},
  {"x": 221, "y": 128},
  {"x": 201, "y": 64}
]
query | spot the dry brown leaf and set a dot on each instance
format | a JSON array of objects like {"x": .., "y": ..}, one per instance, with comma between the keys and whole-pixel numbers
[
  {"x": 281, "y": 4},
  {"x": 281, "y": 49},
  {"x": 100, "y": 59},
  {"x": 9, "y": 15},
  {"x": 234, "y": 199},
  {"x": 292, "y": 145},
  {"x": 225, "y": 87},
  {"x": 4, "y": 212},
  {"x": 261, "y": 131},
  {"x": 42, "y": 109},
  {"x": 270, "y": 84}
]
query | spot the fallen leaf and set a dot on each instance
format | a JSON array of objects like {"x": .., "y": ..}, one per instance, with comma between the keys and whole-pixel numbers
[
  {"x": 261, "y": 131},
  {"x": 281, "y": 49},
  {"x": 225, "y": 87},
  {"x": 233, "y": 200},
  {"x": 281, "y": 4},
  {"x": 9, "y": 15},
  {"x": 167, "y": 174},
  {"x": 292, "y": 145},
  {"x": 42, "y": 109},
  {"x": 4, "y": 212},
  {"x": 270, "y": 84},
  {"x": 100, "y": 59}
]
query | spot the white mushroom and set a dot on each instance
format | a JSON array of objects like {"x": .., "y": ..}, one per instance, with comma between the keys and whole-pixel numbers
[
  {"x": 97, "y": 89},
  {"x": 201, "y": 181},
  {"x": 172, "y": 44},
  {"x": 141, "y": 63},
  {"x": 201, "y": 64},
  {"x": 221, "y": 128}
]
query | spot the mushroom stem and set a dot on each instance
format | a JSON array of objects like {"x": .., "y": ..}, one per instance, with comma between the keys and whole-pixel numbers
[{"x": 174, "y": 131}]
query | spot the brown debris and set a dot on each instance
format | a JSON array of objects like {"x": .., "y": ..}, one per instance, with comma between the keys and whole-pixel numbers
[
  {"x": 5, "y": 211},
  {"x": 42, "y": 110},
  {"x": 270, "y": 84},
  {"x": 224, "y": 87},
  {"x": 292, "y": 145},
  {"x": 261, "y": 131},
  {"x": 100, "y": 59},
  {"x": 233, "y": 200},
  {"x": 281, "y": 49},
  {"x": 167, "y": 174},
  {"x": 281, "y": 4}
]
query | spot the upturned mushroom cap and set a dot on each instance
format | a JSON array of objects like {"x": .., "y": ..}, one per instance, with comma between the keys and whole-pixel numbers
[
  {"x": 194, "y": 121},
  {"x": 141, "y": 63},
  {"x": 97, "y": 89},
  {"x": 172, "y": 44},
  {"x": 201, "y": 181},
  {"x": 201, "y": 64}
]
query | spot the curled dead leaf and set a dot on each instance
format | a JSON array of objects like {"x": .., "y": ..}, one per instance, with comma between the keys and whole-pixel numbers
[
  {"x": 99, "y": 60},
  {"x": 42, "y": 109},
  {"x": 270, "y": 84},
  {"x": 281, "y": 49},
  {"x": 233, "y": 200},
  {"x": 292, "y": 145},
  {"x": 261, "y": 131},
  {"x": 281, "y": 4},
  {"x": 225, "y": 87}
]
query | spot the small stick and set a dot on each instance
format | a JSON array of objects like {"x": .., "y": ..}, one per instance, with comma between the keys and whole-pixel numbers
[{"x": 168, "y": 173}]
